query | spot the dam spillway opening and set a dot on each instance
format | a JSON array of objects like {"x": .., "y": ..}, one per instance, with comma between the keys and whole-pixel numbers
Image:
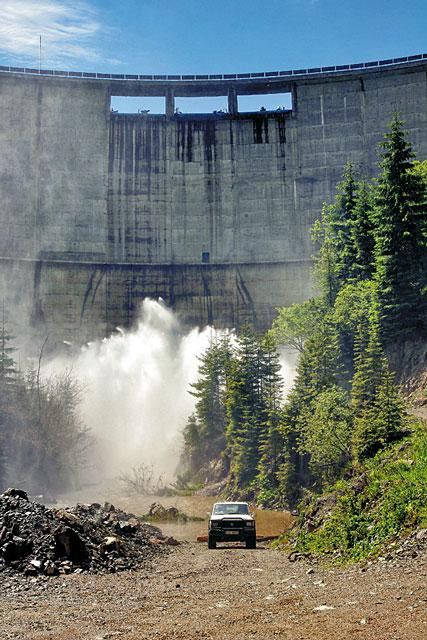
[
  {"x": 265, "y": 102},
  {"x": 216, "y": 105},
  {"x": 155, "y": 105}
]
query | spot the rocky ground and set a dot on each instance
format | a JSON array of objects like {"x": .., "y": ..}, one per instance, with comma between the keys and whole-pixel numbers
[
  {"x": 95, "y": 538},
  {"x": 227, "y": 593}
]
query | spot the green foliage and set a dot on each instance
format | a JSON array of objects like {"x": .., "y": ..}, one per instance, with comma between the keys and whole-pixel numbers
[
  {"x": 341, "y": 220},
  {"x": 204, "y": 434},
  {"x": 210, "y": 393},
  {"x": 380, "y": 422},
  {"x": 370, "y": 366},
  {"x": 253, "y": 407},
  {"x": 420, "y": 169},
  {"x": 320, "y": 367},
  {"x": 326, "y": 268},
  {"x": 375, "y": 509},
  {"x": 353, "y": 306},
  {"x": 378, "y": 409},
  {"x": 295, "y": 324},
  {"x": 361, "y": 232},
  {"x": 326, "y": 436},
  {"x": 344, "y": 237},
  {"x": 193, "y": 453},
  {"x": 238, "y": 410},
  {"x": 344, "y": 407},
  {"x": 400, "y": 220}
]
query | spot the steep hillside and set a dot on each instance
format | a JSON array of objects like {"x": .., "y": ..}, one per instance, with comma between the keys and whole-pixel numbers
[{"x": 372, "y": 512}]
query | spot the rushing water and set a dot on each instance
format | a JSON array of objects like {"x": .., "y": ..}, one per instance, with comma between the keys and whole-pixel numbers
[{"x": 136, "y": 399}]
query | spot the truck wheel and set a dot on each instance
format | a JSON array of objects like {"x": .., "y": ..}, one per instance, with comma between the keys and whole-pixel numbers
[
  {"x": 211, "y": 542},
  {"x": 251, "y": 543}
]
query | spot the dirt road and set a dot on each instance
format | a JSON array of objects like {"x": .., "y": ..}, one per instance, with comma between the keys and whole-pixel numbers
[{"x": 228, "y": 593}]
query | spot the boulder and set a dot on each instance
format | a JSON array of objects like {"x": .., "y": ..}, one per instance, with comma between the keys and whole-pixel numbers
[
  {"x": 66, "y": 516},
  {"x": 16, "y": 549},
  {"x": 15, "y": 493},
  {"x": 68, "y": 543},
  {"x": 110, "y": 544}
]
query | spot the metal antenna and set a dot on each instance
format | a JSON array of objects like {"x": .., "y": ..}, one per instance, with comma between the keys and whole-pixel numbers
[{"x": 40, "y": 54}]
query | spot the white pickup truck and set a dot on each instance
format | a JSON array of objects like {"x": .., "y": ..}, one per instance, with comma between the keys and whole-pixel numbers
[{"x": 231, "y": 521}]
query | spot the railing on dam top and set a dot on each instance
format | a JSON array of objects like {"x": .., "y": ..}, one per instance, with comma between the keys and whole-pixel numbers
[{"x": 225, "y": 76}]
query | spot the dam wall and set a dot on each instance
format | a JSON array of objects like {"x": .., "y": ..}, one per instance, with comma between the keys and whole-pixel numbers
[{"x": 211, "y": 212}]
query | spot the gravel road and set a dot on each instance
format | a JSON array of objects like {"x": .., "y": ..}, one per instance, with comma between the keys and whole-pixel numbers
[{"x": 227, "y": 593}]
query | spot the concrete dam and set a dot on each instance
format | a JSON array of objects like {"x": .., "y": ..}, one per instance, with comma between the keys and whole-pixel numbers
[{"x": 211, "y": 212}]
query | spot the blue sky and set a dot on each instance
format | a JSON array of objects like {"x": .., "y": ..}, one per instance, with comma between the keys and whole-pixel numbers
[{"x": 202, "y": 36}]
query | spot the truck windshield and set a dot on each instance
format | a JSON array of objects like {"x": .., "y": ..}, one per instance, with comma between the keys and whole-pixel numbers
[{"x": 230, "y": 509}]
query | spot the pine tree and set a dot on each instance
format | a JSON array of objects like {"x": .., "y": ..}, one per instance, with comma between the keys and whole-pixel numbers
[
  {"x": 362, "y": 234},
  {"x": 334, "y": 236},
  {"x": 271, "y": 438},
  {"x": 369, "y": 365},
  {"x": 341, "y": 215},
  {"x": 326, "y": 269},
  {"x": 192, "y": 454},
  {"x": 378, "y": 410},
  {"x": 380, "y": 423},
  {"x": 320, "y": 367},
  {"x": 326, "y": 438},
  {"x": 399, "y": 218},
  {"x": 253, "y": 407},
  {"x": 244, "y": 405},
  {"x": 210, "y": 391}
]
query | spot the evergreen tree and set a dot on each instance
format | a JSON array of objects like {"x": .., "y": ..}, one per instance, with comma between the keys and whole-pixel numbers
[
  {"x": 381, "y": 422},
  {"x": 399, "y": 218},
  {"x": 192, "y": 453},
  {"x": 352, "y": 309},
  {"x": 271, "y": 439},
  {"x": 327, "y": 435},
  {"x": 334, "y": 235},
  {"x": 341, "y": 215},
  {"x": 253, "y": 406},
  {"x": 210, "y": 391},
  {"x": 326, "y": 269},
  {"x": 320, "y": 367},
  {"x": 361, "y": 229},
  {"x": 369, "y": 365},
  {"x": 244, "y": 405},
  {"x": 378, "y": 410}
]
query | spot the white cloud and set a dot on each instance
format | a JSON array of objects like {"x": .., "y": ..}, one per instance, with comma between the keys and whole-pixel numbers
[{"x": 69, "y": 31}]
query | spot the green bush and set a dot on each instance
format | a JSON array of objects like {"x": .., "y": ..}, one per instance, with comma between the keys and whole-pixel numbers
[{"x": 389, "y": 503}]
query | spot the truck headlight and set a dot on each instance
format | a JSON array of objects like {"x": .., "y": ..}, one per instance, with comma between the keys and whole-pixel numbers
[
  {"x": 214, "y": 523},
  {"x": 250, "y": 523}
]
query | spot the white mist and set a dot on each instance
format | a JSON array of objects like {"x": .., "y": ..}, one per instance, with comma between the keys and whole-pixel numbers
[{"x": 135, "y": 397}]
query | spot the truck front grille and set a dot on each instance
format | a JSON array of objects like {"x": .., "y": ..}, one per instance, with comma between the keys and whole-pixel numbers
[{"x": 237, "y": 523}]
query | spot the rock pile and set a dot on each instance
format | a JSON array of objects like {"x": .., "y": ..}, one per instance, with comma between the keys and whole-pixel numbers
[
  {"x": 36, "y": 540},
  {"x": 165, "y": 514}
]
